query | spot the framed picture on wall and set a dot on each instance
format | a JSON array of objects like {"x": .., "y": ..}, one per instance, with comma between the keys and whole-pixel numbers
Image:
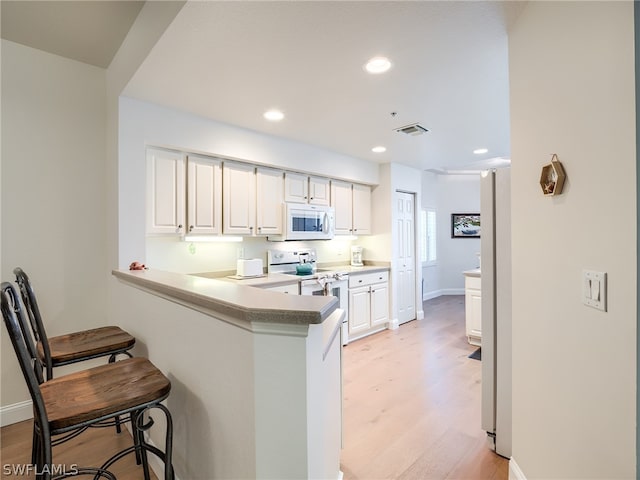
[{"x": 465, "y": 225}]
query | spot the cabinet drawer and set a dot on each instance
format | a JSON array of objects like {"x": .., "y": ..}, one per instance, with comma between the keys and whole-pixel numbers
[
  {"x": 290, "y": 288},
  {"x": 472, "y": 282},
  {"x": 363, "y": 279}
]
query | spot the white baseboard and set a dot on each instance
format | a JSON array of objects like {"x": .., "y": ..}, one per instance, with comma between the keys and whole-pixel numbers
[
  {"x": 429, "y": 295},
  {"x": 438, "y": 293},
  {"x": 452, "y": 291},
  {"x": 394, "y": 324},
  {"x": 17, "y": 412},
  {"x": 514, "y": 471}
]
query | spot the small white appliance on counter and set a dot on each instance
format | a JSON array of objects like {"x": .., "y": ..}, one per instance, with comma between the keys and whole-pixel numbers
[
  {"x": 306, "y": 222},
  {"x": 249, "y": 267},
  {"x": 322, "y": 282}
]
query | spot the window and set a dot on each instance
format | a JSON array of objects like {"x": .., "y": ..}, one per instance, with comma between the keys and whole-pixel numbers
[{"x": 428, "y": 237}]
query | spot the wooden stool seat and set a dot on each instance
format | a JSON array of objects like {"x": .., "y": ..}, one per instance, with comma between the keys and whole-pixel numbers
[
  {"x": 86, "y": 344},
  {"x": 65, "y": 407},
  {"x": 102, "y": 391}
]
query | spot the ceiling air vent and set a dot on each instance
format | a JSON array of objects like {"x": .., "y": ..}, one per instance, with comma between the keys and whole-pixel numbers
[{"x": 413, "y": 129}]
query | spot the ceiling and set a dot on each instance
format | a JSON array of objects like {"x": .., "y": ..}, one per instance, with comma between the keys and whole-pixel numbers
[
  {"x": 87, "y": 31},
  {"x": 232, "y": 60}
]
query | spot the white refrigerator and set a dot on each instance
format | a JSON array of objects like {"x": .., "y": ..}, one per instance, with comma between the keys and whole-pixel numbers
[{"x": 495, "y": 248}]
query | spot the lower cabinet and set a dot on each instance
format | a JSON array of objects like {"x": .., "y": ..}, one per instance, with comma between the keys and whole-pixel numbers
[
  {"x": 368, "y": 303},
  {"x": 473, "y": 309}
]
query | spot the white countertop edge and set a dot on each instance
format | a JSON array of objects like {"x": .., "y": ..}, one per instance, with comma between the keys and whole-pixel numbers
[{"x": 472, "y": 273}]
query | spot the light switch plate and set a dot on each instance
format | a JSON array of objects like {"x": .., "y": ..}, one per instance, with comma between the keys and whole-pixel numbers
[{"x": 594, "y": 289}]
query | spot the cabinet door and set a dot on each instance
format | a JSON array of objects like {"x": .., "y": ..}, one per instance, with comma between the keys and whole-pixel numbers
[
  {"x": 270, "y": 194},
  {"x": 204, "y": 195},
  {"x": 165, "y": 192},
  {"x": 379, "y": 304},
  {"x": 473, "y": 314},
  {"x": 341, "y": 201},
  {"x": 361, "y": 209},
  {"x": 296, "y": 187},
  {"x": 319, "y": 191},
  {"x": 239, "y": 199},
  {"x": 359, "y": 309}
]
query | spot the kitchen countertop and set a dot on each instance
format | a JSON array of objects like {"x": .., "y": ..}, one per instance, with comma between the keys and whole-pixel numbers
[
  {"x": 472, "y": 273},
  {"x": 233, "y": 298},
  {"x": 277, "y": 279}
]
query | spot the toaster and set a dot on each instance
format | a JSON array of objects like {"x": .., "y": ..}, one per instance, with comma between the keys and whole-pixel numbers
[{"x": 251, "y": 267}]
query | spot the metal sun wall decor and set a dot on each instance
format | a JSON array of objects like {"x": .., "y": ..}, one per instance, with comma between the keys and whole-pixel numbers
[
  {"x": 552, "y": 177},
  {"x": 465, "y": 225}
]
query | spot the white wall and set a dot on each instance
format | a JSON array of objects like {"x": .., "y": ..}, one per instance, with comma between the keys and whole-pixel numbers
[
  {"x": 143, "y": 124},
  {"x": 53, "y": 192},
  {"x": 456, "y": 194},
  {"x": 574, "y": 367}
]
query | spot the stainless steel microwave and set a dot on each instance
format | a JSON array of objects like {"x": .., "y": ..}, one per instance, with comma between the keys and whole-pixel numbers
[{"x": 306, "y": 222}]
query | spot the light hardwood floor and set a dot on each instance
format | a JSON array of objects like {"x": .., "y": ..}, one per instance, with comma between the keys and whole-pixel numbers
[
  {"x": 412, "y": 403},
  {"x": 411, "y": 408}
]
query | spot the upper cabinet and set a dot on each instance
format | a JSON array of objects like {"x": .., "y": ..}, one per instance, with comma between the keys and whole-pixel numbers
[
  {"x": 165, "y": 192},
  {"x": 299, "y": 188},
  {"x": 352, "y": 203},
  {"x": 239, "y": 198},
  {"x": 361, "y": 209},
  {"x": 204, "y": 195},
  {"x": 269, "y": 197}
]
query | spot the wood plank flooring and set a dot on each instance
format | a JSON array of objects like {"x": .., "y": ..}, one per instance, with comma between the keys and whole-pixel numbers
[
  {"x": 411, "y": 408},
  {"x": 91, "y": 448},
  {"x": 412, "y": 403}
]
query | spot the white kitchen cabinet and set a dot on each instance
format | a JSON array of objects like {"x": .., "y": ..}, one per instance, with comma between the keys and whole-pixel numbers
[
  {"x": 290, "y": 288},
  {"x": 352, "y": 204},
  {"x": 300, "y": 188},
  {"x": 239, "y": 198},
  {"x": 204, "y": 195},
  {"x": 165, "y": 192},
  {"x": 368, "y": 303},
  {"x": 473, "y": 307},
  {"x": 319, "y": 191},
  {"x": 361, "y": 209},
  {"x": 269, "y": 198}
]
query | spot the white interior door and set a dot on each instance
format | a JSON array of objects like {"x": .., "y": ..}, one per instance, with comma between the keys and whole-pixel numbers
[{"x": 406, "y": 260}]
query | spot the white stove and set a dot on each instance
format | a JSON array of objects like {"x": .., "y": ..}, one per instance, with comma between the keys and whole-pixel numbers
[{"x": 321, "y": 281}]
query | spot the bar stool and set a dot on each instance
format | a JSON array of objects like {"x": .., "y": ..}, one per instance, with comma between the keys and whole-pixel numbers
[
  {"x": 68, "y": 404},
  {"x": 73, "y": 347}
]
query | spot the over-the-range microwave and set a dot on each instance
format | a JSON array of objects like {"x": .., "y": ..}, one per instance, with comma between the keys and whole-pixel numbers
[{"x": 306, "y": 222}]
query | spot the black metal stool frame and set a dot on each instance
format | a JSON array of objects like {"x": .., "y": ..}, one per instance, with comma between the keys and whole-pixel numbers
[
  {"x": 32, "y": 368},
  {"x": 40, "y": 333}
]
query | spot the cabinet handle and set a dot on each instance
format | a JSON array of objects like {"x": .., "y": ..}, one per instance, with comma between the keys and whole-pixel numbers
[
  {"x": 359, "y": 281},
  {"x": 191, "y": 228},
  {"x": 355, "y": 229},
  {"x": 251, "y": 229},
  {"x": 311, "y": 198},
  {"x": 180, "y": 227},
  {"x": 259, "y": 229}
]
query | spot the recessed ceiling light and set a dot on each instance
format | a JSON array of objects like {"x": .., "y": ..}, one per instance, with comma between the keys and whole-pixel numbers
[
  {"x": 378, "y": 65},
  {"x": 480, "y": 151},
  {"x": 379, "y": 149},
  {"x": 273, "y": 115}
]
